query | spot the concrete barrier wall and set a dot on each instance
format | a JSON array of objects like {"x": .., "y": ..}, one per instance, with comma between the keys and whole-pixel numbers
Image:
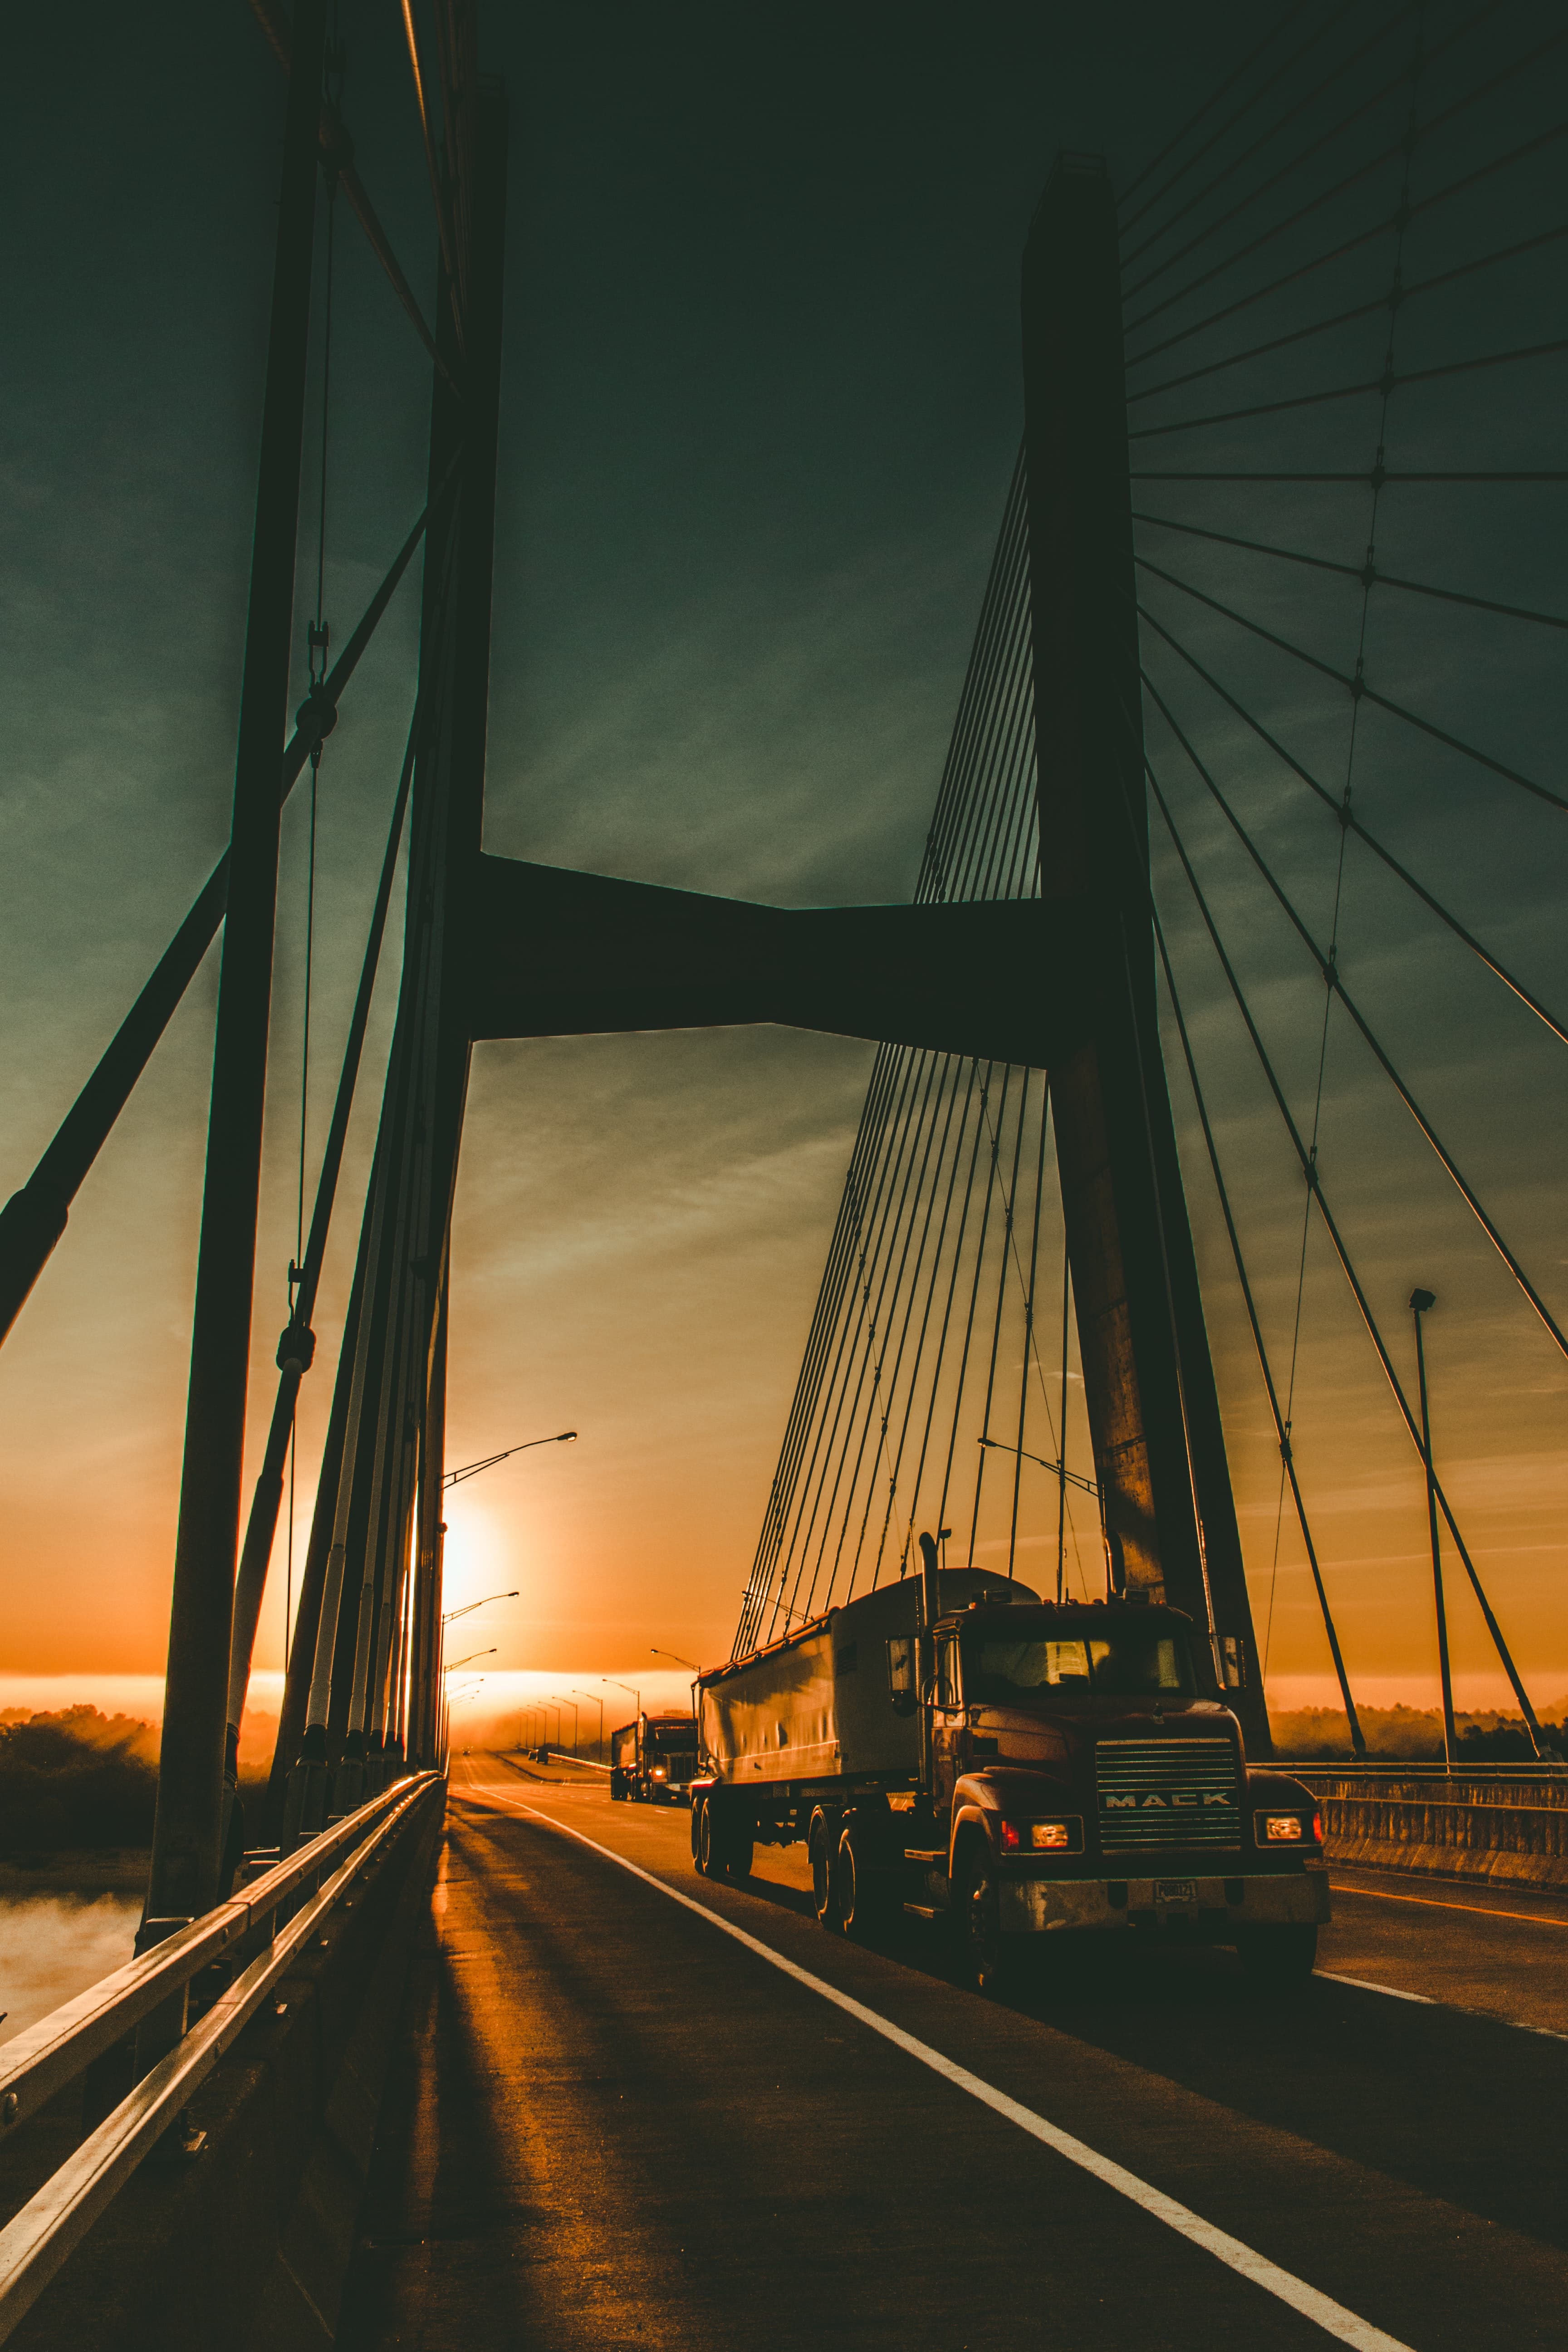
[{"x": 1507, "y": 1831}]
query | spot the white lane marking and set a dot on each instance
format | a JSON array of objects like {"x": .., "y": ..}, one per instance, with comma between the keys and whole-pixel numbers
[
  {"x": 1332, "y": 2317},
  {"x": 1488, "y": 2016},
  {"x": 1363, "y": 1984}
]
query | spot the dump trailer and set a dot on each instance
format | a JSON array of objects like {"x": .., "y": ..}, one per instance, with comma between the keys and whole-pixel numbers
[
  {"x": 654, "y": 1759},
  {"x": 952, "y": 1745}
]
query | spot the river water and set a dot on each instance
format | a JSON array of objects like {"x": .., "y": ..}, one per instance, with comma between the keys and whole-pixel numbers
[{"x": 53, "y": 1947}]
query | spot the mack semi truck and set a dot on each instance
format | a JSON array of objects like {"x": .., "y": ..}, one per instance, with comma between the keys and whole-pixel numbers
[
  {"x": 653, "y": 1760},
  {"x": 954, "y": 1746}
]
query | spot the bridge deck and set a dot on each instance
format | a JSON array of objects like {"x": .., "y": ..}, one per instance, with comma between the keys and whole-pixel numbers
[{"x": 616, "y": 2126}]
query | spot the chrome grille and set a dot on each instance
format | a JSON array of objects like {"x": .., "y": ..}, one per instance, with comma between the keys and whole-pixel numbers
[{"x": 1167, "y": 1792}]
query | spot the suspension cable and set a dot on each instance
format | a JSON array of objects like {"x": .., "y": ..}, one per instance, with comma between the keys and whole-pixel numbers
[
  {"x": 1009, "y": 1205},
  {"x": 1367, "y": 572},
  {"x": 1389, "y": 475},
  {"x": 1357, "y": 687},
  {"x": 1286, "y": 1450},
  {"x": 1335, "y": 990},
  {"x": 1386, "y": 383},
  {"x": 1389, "y": 226},
  {"x": 1352, "y": 824},
  {"x": 1342, "y": 1251},
  {"x": 1196, "y": 117},
  {"x": 1357, "y": 310},
  {"x": 1266, "y": 139},
  {"x": 1362, "y": 171}
]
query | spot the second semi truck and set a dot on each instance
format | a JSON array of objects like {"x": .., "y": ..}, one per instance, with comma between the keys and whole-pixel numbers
[
  {"x": 654, "y": 1759},
  {"x": 954, "y": 1746}
]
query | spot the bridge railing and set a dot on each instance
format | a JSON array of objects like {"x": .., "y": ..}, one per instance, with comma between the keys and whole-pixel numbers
[
  {"x": 1507, "y": 1823},
  {"x": 164, "y": 2021}
]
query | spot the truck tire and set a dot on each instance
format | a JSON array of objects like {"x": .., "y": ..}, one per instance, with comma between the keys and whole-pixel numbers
[
  {"x": 1279, "y": 1959},
  {"x": 864, "y": 1900},
  {"x": 822, "y": 1846},
  {"x": 720, "y": 1846},
  {"x": 987, "y": 1960}
]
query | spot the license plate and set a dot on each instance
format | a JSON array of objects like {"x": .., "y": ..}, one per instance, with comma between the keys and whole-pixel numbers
[{"x": 1175, "y": 1890}]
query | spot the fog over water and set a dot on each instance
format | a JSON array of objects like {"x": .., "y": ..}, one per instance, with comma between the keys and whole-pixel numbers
[{"x": 53, "y": 1947}]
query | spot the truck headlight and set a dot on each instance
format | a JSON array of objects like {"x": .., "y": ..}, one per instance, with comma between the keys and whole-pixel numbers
[
  {"x": 658, "y": 1773},
  {"x": 1051, "y": 1837},
  {"x": 1282, "y": 1829},
  {"x": 1040, "y": 1837}
]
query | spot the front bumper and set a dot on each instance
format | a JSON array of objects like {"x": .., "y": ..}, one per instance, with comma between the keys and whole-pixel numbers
[{"x": 1215, "y": 1912}]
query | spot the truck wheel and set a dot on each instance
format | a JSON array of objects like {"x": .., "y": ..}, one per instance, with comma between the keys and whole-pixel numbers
[
  {"x": 719, "y": 1847},
  {"x": 1279, "y": 1959},
  {"x": 987, "y": 1960},
  {"x": 822, "y": 1846},
  {"x": 863, "y": 1900}
]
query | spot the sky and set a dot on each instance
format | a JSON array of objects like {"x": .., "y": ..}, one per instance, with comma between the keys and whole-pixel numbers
[{"x": 761, "y": 405}]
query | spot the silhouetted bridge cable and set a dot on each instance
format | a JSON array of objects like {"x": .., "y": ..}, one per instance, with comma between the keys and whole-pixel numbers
[{"x": 1340, "y": 516}]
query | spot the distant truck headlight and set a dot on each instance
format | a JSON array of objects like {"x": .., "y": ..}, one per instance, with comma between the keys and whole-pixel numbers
[{"x": 658, "y": 1773}]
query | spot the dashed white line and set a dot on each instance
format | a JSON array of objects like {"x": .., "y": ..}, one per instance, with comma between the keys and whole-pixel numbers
[
  {"x": 1363, "y": 1984},
  {"x": 1427, "y": 2001}
]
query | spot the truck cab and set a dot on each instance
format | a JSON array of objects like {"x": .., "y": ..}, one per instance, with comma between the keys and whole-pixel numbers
[
  {"x": 654, "y": 1761},
  {"x": 1085, "y": 1773}
]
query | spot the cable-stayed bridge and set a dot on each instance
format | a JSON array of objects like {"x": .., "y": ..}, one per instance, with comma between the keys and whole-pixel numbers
[{"x": 1269, "y": 657}]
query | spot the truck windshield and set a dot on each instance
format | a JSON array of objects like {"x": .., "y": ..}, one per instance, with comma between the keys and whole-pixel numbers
[
  {"x": 1124, "y": 1662},
  {"x": 674, "y": 1743}
]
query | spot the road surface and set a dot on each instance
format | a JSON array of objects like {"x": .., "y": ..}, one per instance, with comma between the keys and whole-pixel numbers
[{"x": 618, "y": 2122}]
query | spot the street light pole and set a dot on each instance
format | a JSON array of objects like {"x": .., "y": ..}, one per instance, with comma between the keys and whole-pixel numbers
[
  {"x": 472, "y": 1469},
  {"x": 626, "y": 1686},
  {"x": 656, "y": 1652},
  {"x": 572, "y": 1705},
  {"x": 1421, "y": 1301},
  {"x": 594, "y": 1701},
  {"x": 468, "y": 1607},
  {"x": 1057, "y": 1469}
]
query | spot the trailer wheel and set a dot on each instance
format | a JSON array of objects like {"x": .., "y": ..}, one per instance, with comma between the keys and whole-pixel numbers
[
  {"x": 1279, "y": 1959},
  {"x": 987, "y": 1960},
  {"x": 864, "y": 1903},
  {"x": 719, "y": 1847},
  {"x": 822, "y": 1844}
]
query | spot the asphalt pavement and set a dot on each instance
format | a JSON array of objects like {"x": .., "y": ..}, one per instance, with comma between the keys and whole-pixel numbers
[{"x": 637, "y": 2108}]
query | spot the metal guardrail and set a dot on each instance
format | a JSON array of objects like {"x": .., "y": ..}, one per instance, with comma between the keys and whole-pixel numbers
[{"x": 37, "y": 2064}]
